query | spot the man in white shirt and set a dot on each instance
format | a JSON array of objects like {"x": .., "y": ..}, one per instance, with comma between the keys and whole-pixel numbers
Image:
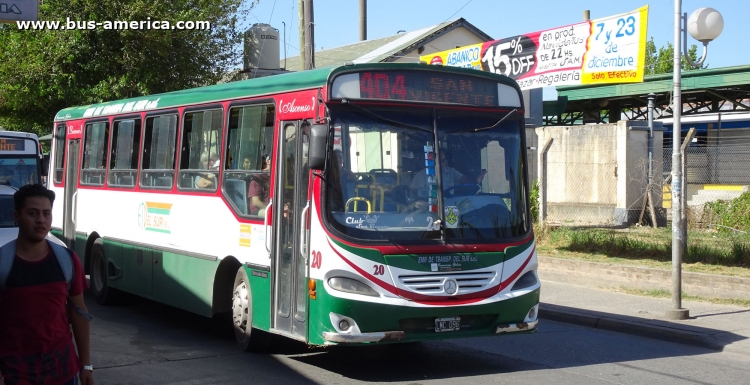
[{"x": 451, "y": 177}]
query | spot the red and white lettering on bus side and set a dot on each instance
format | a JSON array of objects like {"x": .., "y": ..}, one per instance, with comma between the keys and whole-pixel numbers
[
  {"x": 294, "y": 106},
  {"x": 74, "y": 131},
  {"x": 298, "y": 105}
]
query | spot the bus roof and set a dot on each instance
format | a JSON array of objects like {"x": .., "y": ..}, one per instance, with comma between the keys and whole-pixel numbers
[
  {"x": 17, "y": 134},
  {"x": 244, "y": 88}
]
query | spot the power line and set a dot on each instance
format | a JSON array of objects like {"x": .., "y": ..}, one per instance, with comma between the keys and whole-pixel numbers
[{"x": 459, "y": 10}]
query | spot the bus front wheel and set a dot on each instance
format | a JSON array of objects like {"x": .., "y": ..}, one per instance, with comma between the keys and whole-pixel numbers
[
  {"x": 248, "y": 338},
  {"x": 99, "y": 286}
]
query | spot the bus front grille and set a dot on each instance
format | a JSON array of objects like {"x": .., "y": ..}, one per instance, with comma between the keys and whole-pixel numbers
[{"x": 435, "y": 283}]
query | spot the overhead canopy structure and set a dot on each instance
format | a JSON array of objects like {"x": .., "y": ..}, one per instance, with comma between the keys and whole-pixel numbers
[{"x": 703, "y": 91}]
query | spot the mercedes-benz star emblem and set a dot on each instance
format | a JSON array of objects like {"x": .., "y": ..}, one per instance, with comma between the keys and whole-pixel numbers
[{"x": 450, "y": 286}]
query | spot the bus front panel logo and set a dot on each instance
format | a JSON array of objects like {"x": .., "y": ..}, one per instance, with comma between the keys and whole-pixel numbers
[{"x": 154, "y": 216}]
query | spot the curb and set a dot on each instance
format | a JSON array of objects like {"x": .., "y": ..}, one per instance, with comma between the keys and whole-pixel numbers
[
  {"x": 613, "y": 275},
  {"x": 643, "y": 329}
]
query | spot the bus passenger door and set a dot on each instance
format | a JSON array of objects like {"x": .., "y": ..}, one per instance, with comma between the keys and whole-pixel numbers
[
  {"x": 71, "y": 193},
  {"x": 291, "y": 218}
]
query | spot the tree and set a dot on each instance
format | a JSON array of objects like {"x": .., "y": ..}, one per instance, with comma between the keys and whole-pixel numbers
[
  {"x": 662, "y": 61},
  {"x": 44, "y": 71}
]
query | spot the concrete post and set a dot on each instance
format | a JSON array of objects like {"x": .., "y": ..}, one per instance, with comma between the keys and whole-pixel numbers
[
  {"x": 543, "y": 181},
  {"x": 676, "y": 311},
  {"x": 301, "y": 18},
  {"x": 362, "y": 20},
  {"x": 309, "y": 35}
]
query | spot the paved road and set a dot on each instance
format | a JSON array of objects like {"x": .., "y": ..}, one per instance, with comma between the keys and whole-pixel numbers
[{"x": 143, "y": 342}]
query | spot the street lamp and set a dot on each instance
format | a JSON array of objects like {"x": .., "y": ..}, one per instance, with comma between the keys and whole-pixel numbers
[{"x": 704, "y": 25}]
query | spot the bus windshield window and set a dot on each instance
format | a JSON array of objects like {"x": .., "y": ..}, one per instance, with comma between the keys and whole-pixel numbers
[
  {"x": 482, "y": 177},
  {"x": 382, "y": 181},
  {"x": 18, "y": 171}
]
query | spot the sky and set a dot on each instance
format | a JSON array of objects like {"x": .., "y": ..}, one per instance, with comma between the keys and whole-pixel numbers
[{"x": 337, "y": 21}]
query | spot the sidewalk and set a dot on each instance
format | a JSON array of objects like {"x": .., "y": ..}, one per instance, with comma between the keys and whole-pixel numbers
[{"x": 719, "y": 327}]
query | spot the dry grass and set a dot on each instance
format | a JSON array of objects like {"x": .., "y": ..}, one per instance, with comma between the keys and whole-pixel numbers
[
  {"x": 708, "y": 252},
  {"x": 667, "y": 294}
]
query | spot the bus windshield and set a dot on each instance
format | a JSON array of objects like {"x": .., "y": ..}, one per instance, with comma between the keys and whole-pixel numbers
[
  {"x": 389, "y": 179},
  {"x": 18, "y": 171}
]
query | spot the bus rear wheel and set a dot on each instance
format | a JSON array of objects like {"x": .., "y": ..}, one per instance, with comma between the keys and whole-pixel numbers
[
  {"x": 248, "y": 338},
  {"x": 99, "y": 286}
]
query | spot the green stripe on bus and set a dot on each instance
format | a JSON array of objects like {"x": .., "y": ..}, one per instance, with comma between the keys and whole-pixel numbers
[
  {"x": 367, "y": 253},
  {"x": 178, "y": 280},
  {"x": 444, "y": 262},
  {"x": 514, "y": 251},
  {"x": 159, "y": 211},
  {"x": 154, "y": 229}
]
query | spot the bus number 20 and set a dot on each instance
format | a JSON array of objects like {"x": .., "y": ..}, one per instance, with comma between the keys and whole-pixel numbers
[
  {"x": 379, "y": 269},
  {"x": 317, "y": 259}
]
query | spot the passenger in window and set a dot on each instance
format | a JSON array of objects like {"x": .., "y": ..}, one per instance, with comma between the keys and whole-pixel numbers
[
  {"x": 450, "y": 178},
  {"x": 207, "y": 180},
  {"x": 257, "y": 190}
]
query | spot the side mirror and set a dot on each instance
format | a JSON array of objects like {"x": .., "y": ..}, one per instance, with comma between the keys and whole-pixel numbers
[
  {"x": 45, "y": 165},
  {"x": 316, "y": 157}
]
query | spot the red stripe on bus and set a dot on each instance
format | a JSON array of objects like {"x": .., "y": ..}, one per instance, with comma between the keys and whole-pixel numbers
[{"x": 390, "y": 288}]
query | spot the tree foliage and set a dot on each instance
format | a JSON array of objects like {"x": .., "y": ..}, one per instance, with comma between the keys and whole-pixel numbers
[
  {"x": 661, "y": 61},
  {"x": 44, "y": 71}
]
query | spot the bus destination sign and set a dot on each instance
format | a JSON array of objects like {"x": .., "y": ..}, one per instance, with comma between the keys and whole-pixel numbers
[
  {"x": 12, "y": 145},
  {"x": 418, "y": 86}
]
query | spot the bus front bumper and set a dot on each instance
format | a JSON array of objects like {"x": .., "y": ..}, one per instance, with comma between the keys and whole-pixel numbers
[
  {"x": 519, "y": 327},
  {"x": 353, "y": 338},
  {"x": 350, "y": 338}
]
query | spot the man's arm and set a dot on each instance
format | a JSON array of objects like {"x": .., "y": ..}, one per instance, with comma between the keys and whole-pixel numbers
[{"x": 81, "y": 332}]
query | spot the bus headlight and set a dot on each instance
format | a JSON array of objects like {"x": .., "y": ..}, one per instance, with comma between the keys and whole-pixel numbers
[{"x": 348, "y": 285}]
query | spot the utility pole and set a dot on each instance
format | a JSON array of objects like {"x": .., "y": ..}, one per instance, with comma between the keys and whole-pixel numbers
[
  {"x": 301, "y": 17},
  {"x": 309, "y": 36},
  {"x": 362, "y": 20},
  {"x": 677, "y": 312}
]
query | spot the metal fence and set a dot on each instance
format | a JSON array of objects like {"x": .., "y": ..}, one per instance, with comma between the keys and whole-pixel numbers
[{"x": 713, "y": 172}]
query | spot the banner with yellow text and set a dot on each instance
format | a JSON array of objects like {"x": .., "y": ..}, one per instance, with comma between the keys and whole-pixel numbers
[{"x": 606, "y": 50}]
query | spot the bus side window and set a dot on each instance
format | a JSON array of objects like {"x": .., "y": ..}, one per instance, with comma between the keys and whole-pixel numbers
[
  {"x": 200, "y": 150},
  {"x": 123, "y": 164},
  {"x": 59, "y": 153},
  {"x": 249, "y": 146},
  {"x": 96, "y": 137},
  {"x": 157, "y": 165}
]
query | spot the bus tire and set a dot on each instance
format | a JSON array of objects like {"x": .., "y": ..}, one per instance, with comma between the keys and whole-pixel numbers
[
  {"x": 99, "y": 285},
  {"x": 248, "y": 338}
]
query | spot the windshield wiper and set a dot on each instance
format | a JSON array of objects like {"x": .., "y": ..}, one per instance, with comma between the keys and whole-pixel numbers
[
  {"x": 486, "y": 128},
  {"x": 385, "y": 120}
]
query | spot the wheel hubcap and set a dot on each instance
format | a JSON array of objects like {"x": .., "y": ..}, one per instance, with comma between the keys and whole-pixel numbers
[
  {"x": 240, "y": 309},
  {"x": 98, "y": 276}
]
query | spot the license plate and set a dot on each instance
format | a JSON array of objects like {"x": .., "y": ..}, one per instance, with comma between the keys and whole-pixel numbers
[{"x": 447, "y": 324}]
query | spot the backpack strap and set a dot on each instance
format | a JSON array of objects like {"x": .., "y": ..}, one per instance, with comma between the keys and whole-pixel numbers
[
  {"x": 65, "y": 259},
  {"x": 7, "y": 256}
]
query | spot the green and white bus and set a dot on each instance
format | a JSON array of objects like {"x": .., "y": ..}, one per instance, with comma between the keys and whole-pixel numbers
[{"x": 361, "y": 204}]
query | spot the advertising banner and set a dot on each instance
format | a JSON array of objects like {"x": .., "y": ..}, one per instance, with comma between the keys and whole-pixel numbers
[{"x": 606, "y": 50}]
